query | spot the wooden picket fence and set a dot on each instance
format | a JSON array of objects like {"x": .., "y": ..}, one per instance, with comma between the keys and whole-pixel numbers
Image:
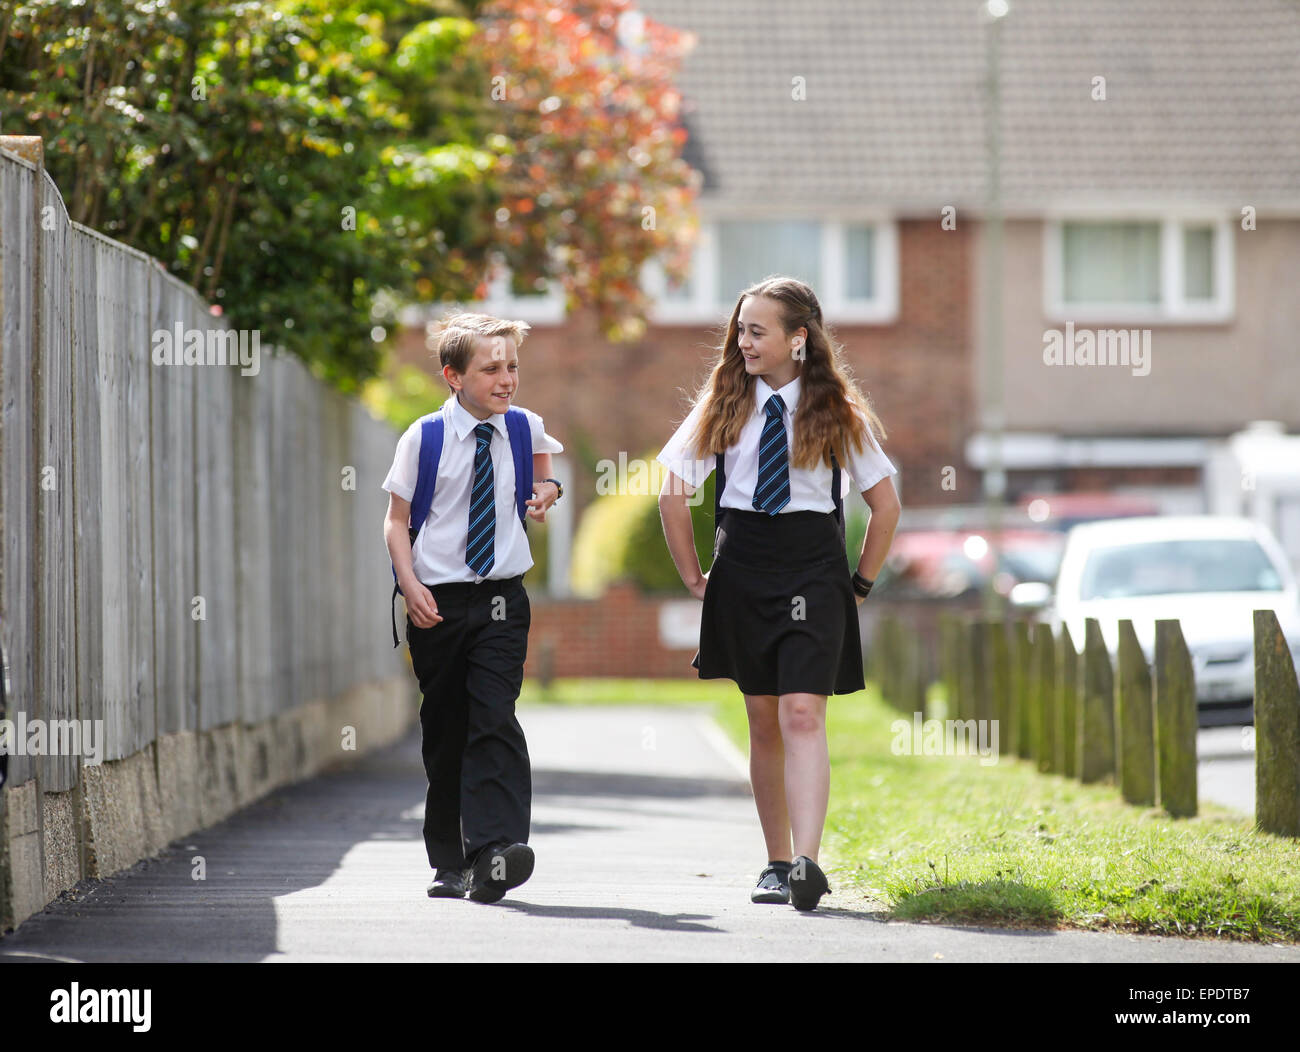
[
  {"x": 192, "y": 556},
  {"x": 1082, "y": 715}
]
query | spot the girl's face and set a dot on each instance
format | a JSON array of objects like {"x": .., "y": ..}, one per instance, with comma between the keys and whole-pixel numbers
[
  {"x": 492, "y": 377},
  {"x": 767, "y": 350}
]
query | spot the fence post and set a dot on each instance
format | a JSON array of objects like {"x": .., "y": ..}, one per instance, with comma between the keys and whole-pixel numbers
[
  {"x": 921, "y": 672},
  {"x": 1049, "y": 714},
  {"x": 981, "y": 688},
  {"x": 1277, "y": 731},
  {"x": 898, "y": 662},
  {"x": 1134, "y": 721},
  {"x": 1096, "y": 727},
  {"x": 1175, "y": 690},
  {"x": 1000, "y": 676},
  {"x": 1067, "y": 693},
  {"x": 1022, "y": 668},
  {"x": 887, "y": 658},
  {"x": 948, "y": 661},
  {"x": 963, "y": 705},
  {"x": 903, "y": 672}
]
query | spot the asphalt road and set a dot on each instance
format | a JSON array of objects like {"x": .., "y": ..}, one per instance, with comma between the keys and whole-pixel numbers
[
  {"x": 1225, "y": 767},
  {"x": 647, "y": 845}
]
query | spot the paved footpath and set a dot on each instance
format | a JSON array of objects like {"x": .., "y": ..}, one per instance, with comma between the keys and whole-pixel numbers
[{"x": 647, "y": 845}]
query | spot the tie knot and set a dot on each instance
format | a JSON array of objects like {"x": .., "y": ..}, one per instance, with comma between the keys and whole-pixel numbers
[
  {"x": 483, "y": 432},
  {"x": 775, "y": 406}
]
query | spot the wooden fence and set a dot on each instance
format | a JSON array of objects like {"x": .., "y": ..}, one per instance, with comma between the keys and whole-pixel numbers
[
  {"x": 1093, "y": 716},
  {"x": 185, "y": 546}
]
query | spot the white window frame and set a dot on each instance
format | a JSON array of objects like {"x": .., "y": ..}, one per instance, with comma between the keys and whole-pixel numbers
[
  {"x": 1173, "y": 306},
  {"x": 547, "y": 309},
  {"x": 706, "y": 305}
]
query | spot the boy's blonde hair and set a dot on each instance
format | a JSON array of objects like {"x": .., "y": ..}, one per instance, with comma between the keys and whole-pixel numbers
[{"x": 456, "y": 338}]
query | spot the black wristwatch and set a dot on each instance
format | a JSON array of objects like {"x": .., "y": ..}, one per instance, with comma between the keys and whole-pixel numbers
[
  {"x": 861, "y": 585},
  {"x": 557, "y": 486}
]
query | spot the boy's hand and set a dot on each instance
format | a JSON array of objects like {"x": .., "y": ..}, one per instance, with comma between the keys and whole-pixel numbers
[
  {"x": 420, "y": 607},
  {"x": 538, "y": 505}
]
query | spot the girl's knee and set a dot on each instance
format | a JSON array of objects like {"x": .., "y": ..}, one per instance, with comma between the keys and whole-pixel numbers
[
  {"x": 764, "y": 720},
  {"x": 802, "y": 714}
]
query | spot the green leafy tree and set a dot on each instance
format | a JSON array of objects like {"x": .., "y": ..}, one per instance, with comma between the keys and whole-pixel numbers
[{"x": 310, "y": 165}]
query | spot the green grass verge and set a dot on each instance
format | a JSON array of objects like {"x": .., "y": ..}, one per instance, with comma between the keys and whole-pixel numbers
[{"x": 946, "y": 838}]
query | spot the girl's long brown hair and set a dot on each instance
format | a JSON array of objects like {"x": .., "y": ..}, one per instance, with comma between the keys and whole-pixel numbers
[{"x": 826, "y": 422}]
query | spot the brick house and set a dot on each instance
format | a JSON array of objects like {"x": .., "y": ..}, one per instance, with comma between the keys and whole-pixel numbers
[{"x": 1149, "y": 177}]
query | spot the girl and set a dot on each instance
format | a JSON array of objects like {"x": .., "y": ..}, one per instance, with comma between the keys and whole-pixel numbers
[{"x": 779, "y": 416}]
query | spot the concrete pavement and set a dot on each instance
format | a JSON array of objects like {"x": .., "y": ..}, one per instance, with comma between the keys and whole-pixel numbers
[{"x": 647, "y": 845}]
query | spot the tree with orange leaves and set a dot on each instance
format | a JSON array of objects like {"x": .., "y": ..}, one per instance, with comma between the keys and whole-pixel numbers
[{"x": 592, "y": 179}]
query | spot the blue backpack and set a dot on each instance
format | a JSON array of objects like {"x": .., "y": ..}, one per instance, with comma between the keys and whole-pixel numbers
[{"x": 431, "y": 433}]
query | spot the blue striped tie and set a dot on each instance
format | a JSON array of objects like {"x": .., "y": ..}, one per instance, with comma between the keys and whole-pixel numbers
[
  {"x": 773, "y": 490},
  {"x": 479, "y": 554}
]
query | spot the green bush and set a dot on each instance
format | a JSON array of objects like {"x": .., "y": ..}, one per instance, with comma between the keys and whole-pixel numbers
[
  {"x": 403, "y": 394},
  {"x": 621, "y": 536},
  {"x": 535, "y": 580},
  {"x": 645, "y": 558}
]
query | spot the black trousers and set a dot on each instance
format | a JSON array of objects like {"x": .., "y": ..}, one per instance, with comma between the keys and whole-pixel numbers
[{"x": 470, "y": 666}]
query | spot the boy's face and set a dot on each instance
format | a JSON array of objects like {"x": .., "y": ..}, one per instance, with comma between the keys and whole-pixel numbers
[{"x": 491, "y": 378}]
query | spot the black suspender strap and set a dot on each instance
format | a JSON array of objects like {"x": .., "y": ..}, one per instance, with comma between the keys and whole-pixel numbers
[
  {"x": 835, "y": 490},
  {"x": 839, "y": 501},
  {"x": 719, "y": 461}
]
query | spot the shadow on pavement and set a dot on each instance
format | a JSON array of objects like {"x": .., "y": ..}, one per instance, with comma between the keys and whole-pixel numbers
[{"x": 293, "y": 839}]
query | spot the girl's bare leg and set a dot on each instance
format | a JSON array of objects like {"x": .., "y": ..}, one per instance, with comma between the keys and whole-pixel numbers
[
  {"x": 807, "y": 768},
  {"x": 767, "y": 773}
]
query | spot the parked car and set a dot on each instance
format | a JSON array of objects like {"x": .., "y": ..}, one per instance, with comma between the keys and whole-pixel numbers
[
  {"x": 946, "y": 552},
  {"x": 1061, "y": 511},
  {"x": 1209, "y": 572},
  {"x": 947, "y": 564}
]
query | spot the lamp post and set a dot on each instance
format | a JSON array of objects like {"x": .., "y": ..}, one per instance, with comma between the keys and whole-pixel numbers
[{"x": 994, "y": 478}]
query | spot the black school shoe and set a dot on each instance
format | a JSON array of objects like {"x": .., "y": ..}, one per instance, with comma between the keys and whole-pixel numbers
[
  {"x": 807, "y": 883},
  {"x": 497, "y": 869},
  {"x": 448, "y": 884},
  {"x": 773, "y": 884}
]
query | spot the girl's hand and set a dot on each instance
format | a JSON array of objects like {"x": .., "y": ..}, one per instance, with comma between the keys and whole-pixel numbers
[
  {"x": 420, "y": 607},
  {"x": 538, "y": 505},
  {"x": 698, "y": 589},
  {"x": 859, "y": 598}
]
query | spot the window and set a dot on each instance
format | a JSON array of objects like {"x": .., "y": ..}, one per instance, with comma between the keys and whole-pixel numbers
[
  {"x": 543, "y": 306},
  {"x": 1177, "y": 567},
  {"x": 1111, "y": 262},
  {"x": 749, "y": 252},
  {"x": 1198, "y": 262},
  {"x": 1151, "y": 270},
  {"x": 852, "y": 266}
]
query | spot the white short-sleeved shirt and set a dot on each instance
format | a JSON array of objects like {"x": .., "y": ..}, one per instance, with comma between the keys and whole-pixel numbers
[
  {"x": 810, "y": 489},
  {"x": 439, "y": 553}
]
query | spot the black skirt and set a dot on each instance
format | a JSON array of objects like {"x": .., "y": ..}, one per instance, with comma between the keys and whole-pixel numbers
[{"x": 780, "y": 616}]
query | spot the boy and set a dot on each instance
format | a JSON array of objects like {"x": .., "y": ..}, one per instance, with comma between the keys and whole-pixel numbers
[{"x": 467, "y": 611}]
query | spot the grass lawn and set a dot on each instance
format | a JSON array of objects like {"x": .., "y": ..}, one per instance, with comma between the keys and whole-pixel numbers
[{"x": 945, "y": 838}]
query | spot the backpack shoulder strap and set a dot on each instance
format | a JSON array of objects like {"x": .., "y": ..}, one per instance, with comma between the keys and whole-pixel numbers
[
  {"x": 521, "y": 448},
  {"x": 431, "y": 436},
  {"x": 426, "y": 481}
]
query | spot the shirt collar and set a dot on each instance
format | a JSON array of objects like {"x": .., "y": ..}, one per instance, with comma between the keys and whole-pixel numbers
[
  {"x": 464, "y": 421},
  {"x": 789, "y": 394}
]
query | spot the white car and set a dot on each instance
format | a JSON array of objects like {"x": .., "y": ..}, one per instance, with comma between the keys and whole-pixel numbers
[{"x": 1210, "y": 572}]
